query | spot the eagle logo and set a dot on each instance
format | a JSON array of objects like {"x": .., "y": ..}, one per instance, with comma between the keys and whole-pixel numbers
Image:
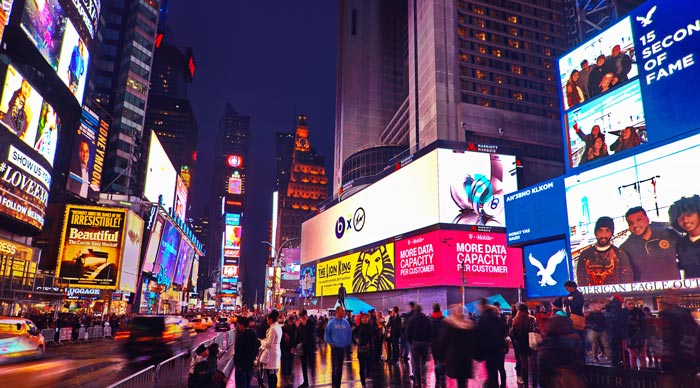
[
  {"x": 546, "y": 273},
  {"x": 374, "y": 271},
  {"x": 646, "y": 20}
]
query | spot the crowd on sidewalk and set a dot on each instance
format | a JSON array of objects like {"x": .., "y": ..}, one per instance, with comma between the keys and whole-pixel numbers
[{"x": 551, "y": 344}]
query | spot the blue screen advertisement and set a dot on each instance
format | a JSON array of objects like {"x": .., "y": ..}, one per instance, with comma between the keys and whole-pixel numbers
[
  {"x": 184, "y": 257},
  {"x": 547, "y": 267},
  {"x": 667, "y": 41},
  {"x": 167, "y": 254},
  {"x": 536, "y": 212}
]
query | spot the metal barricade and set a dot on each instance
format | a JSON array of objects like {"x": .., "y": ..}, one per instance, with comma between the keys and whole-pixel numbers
[
  {"x": 220, "y": 340},
  {"x": 143, "y": 379},
  {"x": 65, "y": 334},
  {"x": 108, "y": 332},
  {"x": 228, "y": 368},
  {"x": 82, "y": 334},
  {"x": 99, "y": 332},
  {"x": 49, "y": 336},
  {"x": 230, "y": 338},
  {"x": 171, "y": 373}
]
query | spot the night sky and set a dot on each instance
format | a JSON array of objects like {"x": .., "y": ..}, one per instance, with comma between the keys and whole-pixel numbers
[{"x": 271, "y": 61}]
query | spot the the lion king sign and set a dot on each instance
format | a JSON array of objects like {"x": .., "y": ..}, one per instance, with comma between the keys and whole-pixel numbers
[{"x": 368, "y": 270}]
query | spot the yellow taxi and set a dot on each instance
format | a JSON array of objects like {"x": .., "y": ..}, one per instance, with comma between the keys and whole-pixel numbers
[
  {"x": 198, "y": 324},
  {"x": 20, "y": 337},
  {"x": 208, "y": 321}
]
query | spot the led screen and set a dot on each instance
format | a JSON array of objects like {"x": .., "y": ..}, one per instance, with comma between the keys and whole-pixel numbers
[
  {"x": 180, "y": 198},
  {"x": 609, "y": 62},
  {"x": 87, "y": 156},
  {"x": 291, "y": 260},
  {"x": 149, "y": 259},
  {"x": 547, "y": 267},
  {"x": 232, "y": 237},
  {"x": 5, "y": 10},
  {"x": 440, "y": 258},
  {"x": 132, "y": 252},
  {"x": 370, "y": 270},
  {"x": 608, "y": 125},
  {"x": 161, "y": 176},
  {"x": 308, "y": 280},
  {"x": 54, "y": 35},
  {"x": 611, "y": 250},
  {"x": 536, "y": 212},
  {"x": 91, "y": 248},
  {"x": 184, "y": 257},
  {"x": 166, "y": 258},
  {"x": 235, "y": 184},
  {"x": 24, "y": 112}
]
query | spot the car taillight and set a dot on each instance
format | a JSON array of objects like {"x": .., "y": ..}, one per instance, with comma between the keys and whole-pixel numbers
[
  {"x": 122, "y": 335},
  {"x": 168, "y": 336}
]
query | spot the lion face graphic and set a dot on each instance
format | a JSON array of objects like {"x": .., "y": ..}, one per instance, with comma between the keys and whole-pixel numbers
[{"x": 374, "y": 271}]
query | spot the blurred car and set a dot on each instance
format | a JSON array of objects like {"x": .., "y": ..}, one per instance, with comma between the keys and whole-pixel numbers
[
  {"x": 198, "y": 324},
  {"x": 208, "y": 321},
  {"x": 20, "y": 338},
  {"x": 156, "y": 337},
  {"x": 222, "y": 324}
]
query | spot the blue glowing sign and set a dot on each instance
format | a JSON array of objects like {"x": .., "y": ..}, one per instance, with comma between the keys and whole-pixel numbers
[
  {"x": 547, "y": 267},
  {"x": 536, "y": 212}
]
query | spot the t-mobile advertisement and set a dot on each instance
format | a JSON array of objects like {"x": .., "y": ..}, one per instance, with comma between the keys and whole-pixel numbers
[{"x": 437, "y": 258}]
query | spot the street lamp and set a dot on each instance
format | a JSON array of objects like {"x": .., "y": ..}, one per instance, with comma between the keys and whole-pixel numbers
[{"x": 276, "y": 263}]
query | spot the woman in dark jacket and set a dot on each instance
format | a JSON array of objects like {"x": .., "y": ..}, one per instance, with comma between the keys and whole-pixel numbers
[
  {"x": 559, "y": 357},
  {"x": 365, "y": 335},
  {"x": 458, "y": 346},
  {"x": 523, "y": 325}
]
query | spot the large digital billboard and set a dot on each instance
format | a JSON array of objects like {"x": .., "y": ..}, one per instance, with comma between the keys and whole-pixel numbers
[
  {"x": 232, "y": 234},
  {"x": 5, "y": 10},
  {"x": 87, "y": 157},
  {"x": 54, "y": 35},
  {"x": 166, "y": 259},
  {"x": 149, "y": 258},
  {"x": 180, "y": 198},
  {"x": 625, "y": 235},
  {"x": 307, "y": 280},
  {"x": 25, "y": 113},
  {"x": 369, "y": 270},
  {"x": 161, "y": 176},
  {"x": 638, "y": 85},
  {"x": 91, "y": 247},
  {"x": 446, "y": 257},
  {"x": 132, "y": 253},
  {"x": 443, "y": 186},
  {"x": 291, "y": 257},
  {"x": 547, "y": 267},
  {"x": 536, "y": 212},
  {"x": 184, "y": 261}
]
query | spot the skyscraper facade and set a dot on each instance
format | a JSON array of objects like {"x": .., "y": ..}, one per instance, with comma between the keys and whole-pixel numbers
[
  {"x": 477, "y": 70},
  {"x": 119, "y": 86}
]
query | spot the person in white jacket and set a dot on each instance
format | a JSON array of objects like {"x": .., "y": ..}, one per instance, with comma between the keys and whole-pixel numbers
[{"x": 271, "y": 344}]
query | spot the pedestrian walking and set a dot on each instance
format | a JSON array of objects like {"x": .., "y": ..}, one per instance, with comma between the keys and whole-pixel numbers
[
  {"x": 458, "y": 344},
  {"x": 559, "y": 362},
  {"x": 365, "y": 335},
  {"x": 418, "y": 333},
  {"x": 523, "y": 325},
  {"x": 287, "y": 346},
  {"x": 393, "y": 335},
  {"x": 491, "y": 331},
  {"x": 272, "y": 354},
  {"x": 245, "y": 351},
  {"x": 306, "y": 345},
  {"x": 437, "y": 331},
  {"x": 339, "y": 336}
]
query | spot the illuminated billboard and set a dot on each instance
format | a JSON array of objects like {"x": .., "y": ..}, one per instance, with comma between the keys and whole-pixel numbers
[
  {"x": 54, "y": 35},
  {"x": 370, "y": 270},
  {"x": 234, "y": 161},
  {"x": 180, "y": 198},
  {"x": 307, "y": 280},
  {"x": 184, "y": 261},
  {"x": 166, "y": 259},
  {"x": 5, "y": 10},
  {"x": 445, "y": 257},
  {"x": 443, "y": 186},
  {"x": 235, "y": 183},
  {"x": 232, "y": 234},
  {"x": 132, "y": 252},
  {"x": 291, "y": 259},
  {"x": 536, "y": 212},
  {"x": 547, "y": 268},
  {"x": 622, "y": 236},
  {"x": 149, "y": 259},
  {"x": 638, "y": 86},
  {"x": 161, "y": 176},
  {"x": 87, "y": 157},
  {"x": 91, "y": 247}
]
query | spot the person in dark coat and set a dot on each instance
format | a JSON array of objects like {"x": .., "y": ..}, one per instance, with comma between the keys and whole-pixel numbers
[
  {"x": 491, "y": 331},
  {"x": 437, "y": 330},
  {"x": 523, "y": 325},
  {"x": 307, "y": 338},
  {"x": 364, "y": 336},
  {"x": 287, "y": 346},
  {"x": 559, "y": 362},
  {"x": 615, "y": 322},
  {"x": 245, "y": 351},
  {"x": 418, "y": 333},
  {"x": 393, "y": 336},
  {"x": 458, "y": 345}
]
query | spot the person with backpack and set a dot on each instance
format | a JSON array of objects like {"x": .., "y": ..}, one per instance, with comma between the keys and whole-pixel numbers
[{"x": 523, "y": 325}]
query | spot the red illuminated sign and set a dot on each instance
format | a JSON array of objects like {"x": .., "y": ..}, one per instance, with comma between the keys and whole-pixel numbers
[
  {"x": 190, "y": 65},
  {"x": 234, "y": 161}
]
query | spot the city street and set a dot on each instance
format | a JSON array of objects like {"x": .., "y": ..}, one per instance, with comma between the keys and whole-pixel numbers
[
  {"x": 386, "y": 375},
  {"x": 98, "y": 363}
]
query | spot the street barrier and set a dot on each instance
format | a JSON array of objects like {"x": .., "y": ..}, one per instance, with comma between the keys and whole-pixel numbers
[
  {"x": 82, "y": 334},
  {"x": 49, "y": 336},
  {"x": 230, "y": 338},
  {"x": 94, "y": 332},
  {"x": 142, "y": 379},
  {"x": 108, "y": 332},
  {"x": 171, "y": 372},
  {"x": 228, "y": 368},
  {"x": 220, "y": 341},
  {"x": 65, "y": 334}
]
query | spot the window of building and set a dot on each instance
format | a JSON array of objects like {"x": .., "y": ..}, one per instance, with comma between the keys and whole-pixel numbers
[
  {"x": 513, "y": 31},
  {"x": 480, "y": 35},
  {"x": 480, "y": 22},
  {"x": 496, "y": 52},
  {"x": 463, "y": 57},
  {"x": 514, "y": 43},
  {"x": 513, "y": 19},
  {"x": 478, "y": 10},
  {"x": 480, "y": 74},
  {"x": 461, "y": 31},
  {"x": 516, "y": 69},
  {"x": 518, "y": 96},
  {"x": 482, "y": 49}
]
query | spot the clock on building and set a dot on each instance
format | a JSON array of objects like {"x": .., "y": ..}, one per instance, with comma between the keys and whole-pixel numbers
[{"x": 302, "y": 142}]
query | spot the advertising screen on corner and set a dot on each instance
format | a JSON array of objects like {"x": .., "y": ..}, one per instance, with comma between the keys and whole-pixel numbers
[
  {"x": 161, "y": 176},
  {"x": 627, "y": 221}
]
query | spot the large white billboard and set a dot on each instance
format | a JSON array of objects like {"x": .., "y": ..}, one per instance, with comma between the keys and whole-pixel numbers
[
  {"x": 443, "y": 186},
  {"x": 161, "y": 176}
]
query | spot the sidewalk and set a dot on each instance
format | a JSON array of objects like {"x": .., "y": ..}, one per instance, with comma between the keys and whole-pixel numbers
[{"x": 383, "y": 375}]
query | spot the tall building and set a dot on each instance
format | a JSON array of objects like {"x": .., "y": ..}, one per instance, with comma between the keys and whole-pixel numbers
[
  {"x": 119, "y": 86},
  {"x": 301, "y": 184},
  {"x": 372, "y": 83},
  {"x": 478, "y": 70}
]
